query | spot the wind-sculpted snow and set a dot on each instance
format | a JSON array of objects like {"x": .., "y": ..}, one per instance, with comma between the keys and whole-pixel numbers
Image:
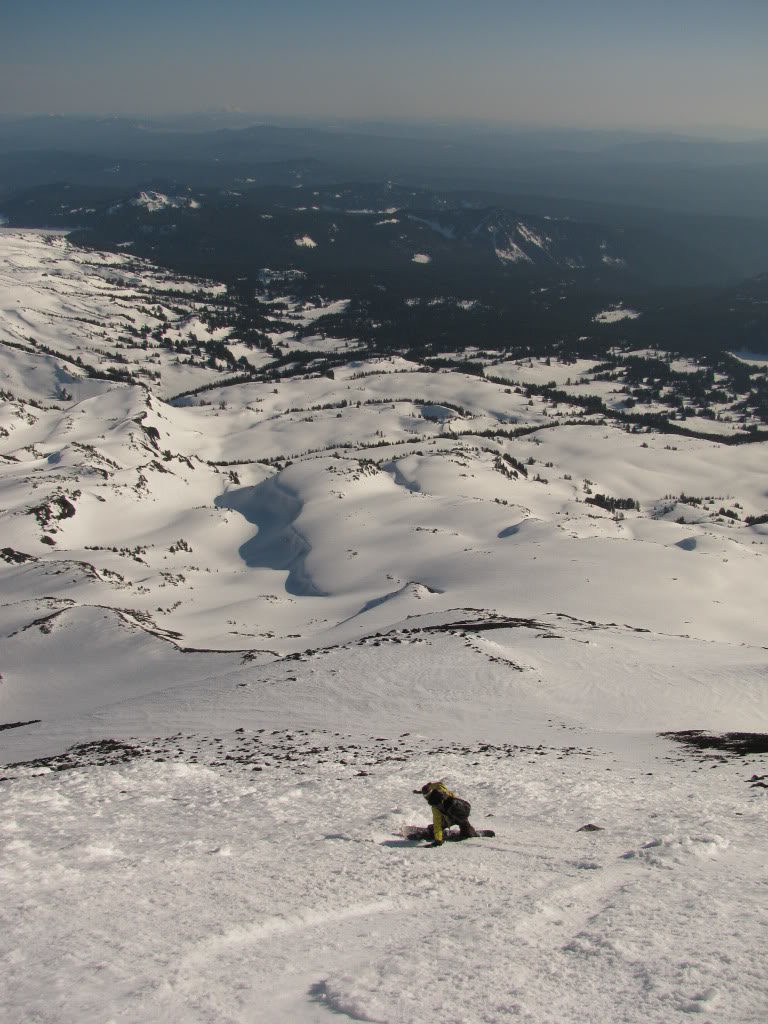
[
  {"x": 409, "y": 589},
  {"x": 278, "y": 545},
  {"x": 398, "y": 475}
]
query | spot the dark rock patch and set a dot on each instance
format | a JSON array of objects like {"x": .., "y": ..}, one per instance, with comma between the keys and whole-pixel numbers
[
  {"x": 739, "y": 744},
  {"x": 13, "y": 557}
]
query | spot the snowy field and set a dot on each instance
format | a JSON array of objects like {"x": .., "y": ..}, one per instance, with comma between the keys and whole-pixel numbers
[
  {"x": 239, "y": 629},
  {"x": 164, "y": 889}
]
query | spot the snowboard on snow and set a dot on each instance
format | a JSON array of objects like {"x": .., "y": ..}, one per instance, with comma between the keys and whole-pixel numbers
[{"x": 421, "y": 832}]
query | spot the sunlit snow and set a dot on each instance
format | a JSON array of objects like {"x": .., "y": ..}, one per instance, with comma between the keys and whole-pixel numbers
[
  {"x": 240, "y": 626},
  {"x": 615, "y": 314}
]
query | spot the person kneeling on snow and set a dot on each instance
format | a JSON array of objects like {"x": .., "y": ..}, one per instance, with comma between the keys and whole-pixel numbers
[{"x": 447, "y": 809}]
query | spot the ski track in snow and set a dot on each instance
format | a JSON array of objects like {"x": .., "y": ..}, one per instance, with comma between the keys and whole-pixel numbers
[{"x": 168, "y": 890}]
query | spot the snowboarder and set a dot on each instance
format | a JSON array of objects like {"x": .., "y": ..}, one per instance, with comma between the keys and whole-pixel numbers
[{"x": 447, "y": 809}]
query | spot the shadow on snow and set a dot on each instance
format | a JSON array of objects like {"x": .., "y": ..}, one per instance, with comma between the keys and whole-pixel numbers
[{"x": 278, "y": 545}]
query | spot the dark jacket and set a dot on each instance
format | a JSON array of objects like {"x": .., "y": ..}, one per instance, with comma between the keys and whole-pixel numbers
[{"x": 447, "y": 808}]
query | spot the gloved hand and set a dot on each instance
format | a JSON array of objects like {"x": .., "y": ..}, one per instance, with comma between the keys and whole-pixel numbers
[{"x": 435, "y": 843}]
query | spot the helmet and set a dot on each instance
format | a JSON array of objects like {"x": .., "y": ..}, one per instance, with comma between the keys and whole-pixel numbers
[{"x": 430, "y": 787}]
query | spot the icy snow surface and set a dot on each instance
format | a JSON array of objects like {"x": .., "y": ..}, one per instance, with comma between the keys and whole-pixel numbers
[{"x": 288, "y": 604}]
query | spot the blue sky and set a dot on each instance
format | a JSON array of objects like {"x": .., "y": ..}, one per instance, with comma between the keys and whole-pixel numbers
[{"x": 589, "y": 63}]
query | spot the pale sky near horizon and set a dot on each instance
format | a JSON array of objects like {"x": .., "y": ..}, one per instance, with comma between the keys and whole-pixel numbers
[{"x": 677, "y": 64}]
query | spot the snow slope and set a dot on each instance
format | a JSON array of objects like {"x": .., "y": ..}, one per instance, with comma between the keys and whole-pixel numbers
[
  {"x": 182, "y": 885},
  {"x": 288, "y": 604}
]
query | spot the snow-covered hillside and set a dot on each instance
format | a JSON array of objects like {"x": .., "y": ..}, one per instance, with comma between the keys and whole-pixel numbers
[{"x": 290, "y": 600}]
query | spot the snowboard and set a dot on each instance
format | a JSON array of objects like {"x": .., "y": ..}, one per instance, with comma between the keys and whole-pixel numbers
[{"x": 421, "y": 832}]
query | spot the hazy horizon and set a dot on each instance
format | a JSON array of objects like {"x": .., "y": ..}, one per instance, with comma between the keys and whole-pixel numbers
[
  {"x": 206, "y": 118},
  {"x": 697, "y": 68}
]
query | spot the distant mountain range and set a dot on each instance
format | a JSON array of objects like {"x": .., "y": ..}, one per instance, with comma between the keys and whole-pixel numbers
[{"x": 675, "y": 173}]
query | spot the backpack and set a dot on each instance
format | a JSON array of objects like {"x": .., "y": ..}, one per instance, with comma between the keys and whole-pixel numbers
[{"x": 456, "y": 808}]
